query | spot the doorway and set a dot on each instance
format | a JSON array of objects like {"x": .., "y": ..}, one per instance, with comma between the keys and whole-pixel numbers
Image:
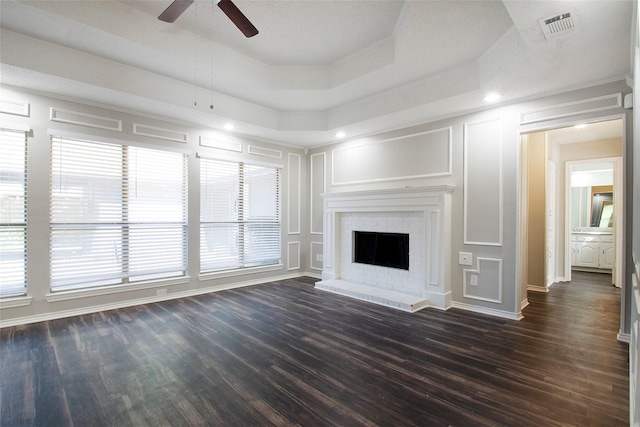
[{"x": 547, "y": 158}]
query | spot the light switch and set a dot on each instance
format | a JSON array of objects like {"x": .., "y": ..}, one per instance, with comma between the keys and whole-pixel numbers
[{"x": 474, "y": 280}]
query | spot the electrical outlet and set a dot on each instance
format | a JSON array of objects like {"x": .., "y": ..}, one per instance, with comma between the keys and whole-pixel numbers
[
  {"x": 465, "y": 258},
  {"x": 473, "y": 280}
]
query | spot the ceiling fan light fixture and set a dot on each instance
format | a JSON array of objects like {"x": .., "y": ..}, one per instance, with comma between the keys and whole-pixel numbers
[
  {"x": 174, "y": 10},
  {"x": 178, "y": 7}
]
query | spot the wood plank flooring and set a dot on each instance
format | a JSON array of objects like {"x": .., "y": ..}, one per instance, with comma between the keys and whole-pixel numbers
[{"x": 284, "y": 354}]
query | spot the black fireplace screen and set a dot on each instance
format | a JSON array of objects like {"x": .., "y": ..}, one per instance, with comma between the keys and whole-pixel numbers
[{"x": 383, "y": 249}]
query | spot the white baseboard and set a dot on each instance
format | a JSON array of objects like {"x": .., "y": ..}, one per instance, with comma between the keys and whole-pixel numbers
[
  {"x": 312, "y": 274},
  {"x": 536, "y": 288},
  {"x": 624, "y": 337},
  {"x": 130, "y": 303},
  {"x": 489, "y": 311}
]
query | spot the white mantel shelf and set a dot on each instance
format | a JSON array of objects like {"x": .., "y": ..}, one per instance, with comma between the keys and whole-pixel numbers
[{"x": 425, "y": 211}]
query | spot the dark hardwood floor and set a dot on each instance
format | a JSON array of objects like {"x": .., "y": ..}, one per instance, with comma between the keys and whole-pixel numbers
[{"x": 285, "y": 354}]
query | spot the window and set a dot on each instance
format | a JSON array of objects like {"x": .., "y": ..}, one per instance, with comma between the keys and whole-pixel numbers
[
  {"x": 13, "y": 213},
  {"x": 118, "y": 214},
  {"x": 239, "y": 215}
]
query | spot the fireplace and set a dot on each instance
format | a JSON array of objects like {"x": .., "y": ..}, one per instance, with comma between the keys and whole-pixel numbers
[{"x": 417, "y": 219}]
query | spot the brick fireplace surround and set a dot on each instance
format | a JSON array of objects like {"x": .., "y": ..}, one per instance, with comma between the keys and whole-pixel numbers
[{"x": 422, "y": 212}]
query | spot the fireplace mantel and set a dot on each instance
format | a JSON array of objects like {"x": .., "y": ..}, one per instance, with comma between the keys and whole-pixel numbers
[{"x": 426, "y": 211}]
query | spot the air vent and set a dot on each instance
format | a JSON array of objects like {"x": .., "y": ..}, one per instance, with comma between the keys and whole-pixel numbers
[{"x": 559, "y": 25}]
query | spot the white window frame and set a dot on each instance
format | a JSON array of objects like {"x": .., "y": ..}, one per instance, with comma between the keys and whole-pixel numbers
[
  {"x": 123, "y": 252},
  {"x": 12, "y": 271},
  {"x": 242, "y": 221}
]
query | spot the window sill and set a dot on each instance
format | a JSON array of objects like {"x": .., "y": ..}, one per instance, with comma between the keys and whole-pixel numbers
[
  {"x": 93, "y": 292},
  {"x": 239, "y": 272},
  {"x": 14, "y": 302}
]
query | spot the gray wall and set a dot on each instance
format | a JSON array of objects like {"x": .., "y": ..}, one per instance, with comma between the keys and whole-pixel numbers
[
  {"x": 485, "y": 169},
  {"x": 478, "y": 153}
]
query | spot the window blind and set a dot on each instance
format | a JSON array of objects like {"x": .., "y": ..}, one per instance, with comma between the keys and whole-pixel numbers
[
  {"x": 118, "y": 214},
  {"x": 239, "y": 215},
  {"x": 13, "y": 213}
]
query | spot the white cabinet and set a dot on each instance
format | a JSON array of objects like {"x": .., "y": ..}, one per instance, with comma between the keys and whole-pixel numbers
[
  {"x": 593, "y": 251},
  {"x": 587, "y": 254},
  {"x": 605, "y": 254}
]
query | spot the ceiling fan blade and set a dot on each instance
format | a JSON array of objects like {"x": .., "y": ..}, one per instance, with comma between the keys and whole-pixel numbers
[
  {"x": 238, "y": 18},
  {"x": 174, "y": 10}
]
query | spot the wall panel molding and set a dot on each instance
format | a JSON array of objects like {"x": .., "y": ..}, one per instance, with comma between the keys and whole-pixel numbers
[
  {"x": 15, "y": 108},
  {"x": 315, "y": 251},
  {"x": 318, "y": 186},
  {"x": 294, "y": 192},
  {"x": 489, "y": 280},
  {"x": 160, "y": 133},
  {"x": 293, "y": 255},
  {"x": 83, "y": 119},
  {"x": 482, "y": 170},
  {"x": 220, "y": 145},
  {"x": 420, "y": 155},
  {"x": 264, "y": 152},
  {"x": 583, "y": 106}
]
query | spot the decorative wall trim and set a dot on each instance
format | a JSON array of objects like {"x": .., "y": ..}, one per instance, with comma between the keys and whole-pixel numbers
[
  {"x": 316, "y": 191},
  {"x": 221, "y": 145},
  {"x": 483, "y": 195},
  {"x": 15, "y": 108},
  {"x": 485, "y": 281},
  {"x": 133, "y": 302},
  {"x": 295, "y": 194},
  {"x": 293, "y": 256},
  {"x": 406, "y": 153},
  {"x": 84, "y": 119},
  {"x": 265, "y": 152},
  {"x": 16, "y": 127},
  {"x": 315, "y": 264},
  {"x": 160, "y": 133},
  {"x": 583, "y": 106}
]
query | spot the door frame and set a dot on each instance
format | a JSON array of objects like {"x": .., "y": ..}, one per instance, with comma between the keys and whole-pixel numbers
[
  {"x": 618, "y": 191},
  {"x": 522, "y": 198}
]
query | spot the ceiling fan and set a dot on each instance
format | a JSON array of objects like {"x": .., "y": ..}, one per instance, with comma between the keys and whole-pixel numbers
[{"x": 176, "y": 9}]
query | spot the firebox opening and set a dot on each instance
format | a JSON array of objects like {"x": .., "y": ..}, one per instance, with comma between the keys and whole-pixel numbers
[{"x": 382, "y": 249}]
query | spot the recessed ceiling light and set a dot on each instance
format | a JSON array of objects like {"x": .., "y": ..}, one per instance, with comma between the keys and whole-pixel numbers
[
  {"x": 229, "y": 126},
  {"x": 581, "y": 126},
  {"x": 340, "y": 134},
  {"x": 492, "y": 97}
]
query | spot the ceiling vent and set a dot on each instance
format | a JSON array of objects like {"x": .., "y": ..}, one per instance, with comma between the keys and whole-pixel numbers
[{"x": 559, "y": 25}]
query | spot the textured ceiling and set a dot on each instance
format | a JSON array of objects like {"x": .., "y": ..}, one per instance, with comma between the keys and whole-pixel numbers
[{"x": 317, "y": 65}]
